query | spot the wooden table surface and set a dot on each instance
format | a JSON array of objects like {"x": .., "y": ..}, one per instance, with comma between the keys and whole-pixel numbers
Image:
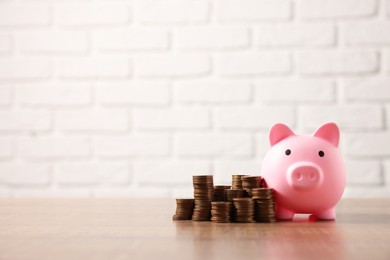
[{"x": 143, "y": 229}]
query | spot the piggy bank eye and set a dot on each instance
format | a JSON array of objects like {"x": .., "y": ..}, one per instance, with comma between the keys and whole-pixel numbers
[
  {"x": 287, "y": 152},
  {"x": 321, "y": 153}
]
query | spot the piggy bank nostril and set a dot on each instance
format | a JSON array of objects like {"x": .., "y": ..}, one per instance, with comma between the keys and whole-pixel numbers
[
  {"x": 299, "y": 176},
  {"x": 312, "y": 176}
]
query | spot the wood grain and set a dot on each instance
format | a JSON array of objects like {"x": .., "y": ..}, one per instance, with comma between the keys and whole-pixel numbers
[{"x": 143, "y": 229}]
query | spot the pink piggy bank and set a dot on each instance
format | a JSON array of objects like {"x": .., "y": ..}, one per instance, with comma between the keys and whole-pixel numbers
[{"x": 306, "y": 172}]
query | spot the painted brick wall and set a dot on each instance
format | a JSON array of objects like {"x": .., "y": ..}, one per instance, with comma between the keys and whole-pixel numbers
[{"x": 131, "y": 98}]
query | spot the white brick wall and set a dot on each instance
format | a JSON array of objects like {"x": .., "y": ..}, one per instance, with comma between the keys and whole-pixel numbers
[
  {"x": 132, "y": 98},
  {"x": 91, "y": 15},
  {"x": 53, "y": 147},
  {"x": 253, "y": 63},
  {"x": 171, "y": 11}
]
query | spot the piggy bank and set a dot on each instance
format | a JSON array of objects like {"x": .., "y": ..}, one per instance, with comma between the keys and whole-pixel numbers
[{"x": 306, "y": 172}]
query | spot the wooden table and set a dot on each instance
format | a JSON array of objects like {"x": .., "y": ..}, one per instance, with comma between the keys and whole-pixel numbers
[{"x": 143, "y": 229}]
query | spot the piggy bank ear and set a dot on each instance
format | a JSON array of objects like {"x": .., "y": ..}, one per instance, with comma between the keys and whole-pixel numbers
[
  {"x": 279, "y": 132},
  {"x": 329, "y": 132}
]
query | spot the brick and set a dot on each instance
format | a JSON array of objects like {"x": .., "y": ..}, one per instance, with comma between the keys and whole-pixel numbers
[
  {"x": 368, "y": 192},
  {"x": 68, "y": 192},
  {"x": 183, "y": 118},
  {"x": 253, "y": 10},
  {"x": 52, "y": 42},
  {"x": 5, "y": 43},
  {"x": 363, "y": 172},
  {"x": 131, "y": 40},
  {"x": 91, "y": 120},
  {"x": 214, "y": 145},
  {"x": 7, "y": 147},
  {"x": 54, "y": 147},
  {"x": 17, "y": 68},
  {"x": 338, "y": 62},
  {"x": 93, "y": 68},
  {"x": 253, "y": 118},
  {"x": 134, "y": 145},
  {"x": 169, "y": 11},
  {"x": 336, "y": 9},
  {"x": 172, "y": 65},
  {"x": 63, "y": 94},
  {"x": 367, "y": 89},
  {"x": 294, "y": 90},
  {"x": 346, "y": 116},
  {"x": 368, "y": 144},
  {"x": 5, "y": 95},
  {"x": 31, "y": 174},
  {"x": 207, "y": 37},
  {"x": 25, "y": 120},
  {"x": 169, "y": 173},
  {"x": 386, "y": 174},
  {"x": 295, "y": 35},
  {"x": 134, "y": 93},
  {"x": 142, "y": 192},
  {"x": 103, "y": 173},
  {"x": 213, "y": 91},
  {"x": 225, "y": 169},
  {"x": 184, "y": 192},
  {"x": 388, "y": 8},
  {"x": 387, "y": 62},
  {"x": 5, "y": 192},
  {"x": 387, "y": 114},
  {"x": 262, "y": 144},
  {"x": 24, "y": 15},
  {"x": 92, "y": 14},
  {"x": 366, "y": 33},
  {"x": 248, "y": 64}
]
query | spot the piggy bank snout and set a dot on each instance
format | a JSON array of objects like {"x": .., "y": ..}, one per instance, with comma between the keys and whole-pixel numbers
[{"x": 304, "y": 176}]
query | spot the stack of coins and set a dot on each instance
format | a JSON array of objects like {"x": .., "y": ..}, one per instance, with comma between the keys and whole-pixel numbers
[
  {"x": 236, "y": 182},
  {"x": 250, "y": 182},
  {"x": 221, "y": 211},
  {"x": 203, "y": 194},
  {"x": 244, "y": 210},
  {"x": 235, "y": 193},
  {"x": 219, "y": 192},
  {"x": 184, "y": 209},
  {"x": 265, "y": 204},
  {"x": 262, "y": 194}
]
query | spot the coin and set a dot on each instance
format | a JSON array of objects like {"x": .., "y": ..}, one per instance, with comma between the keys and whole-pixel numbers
[
  {"x": 236, "y": 181},
  {"x": 184, "y": 209},
  {"x": 250, "y": 182},
  {"x": 219, "y": 192},
  {"x": 203, "y": 194},
  {"x": 234, "y": 193},
  {"x": 244, "y": 210},
  {"x": 247, "y": 200},
  {"x": 221, "y": 211},
  {"x": 265, "y": 204}
]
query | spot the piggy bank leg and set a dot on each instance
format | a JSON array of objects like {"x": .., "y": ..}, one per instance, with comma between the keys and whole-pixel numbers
[
  {"x": 284, "y": 214},
  {"x": 329, "y": 214}
]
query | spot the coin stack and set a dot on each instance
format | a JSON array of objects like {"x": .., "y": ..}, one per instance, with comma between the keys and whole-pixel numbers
[
  {"x": 203, "y": 194},
  {"x": 219, "y": 192},
  {"x": 250, "y": 182},
  {"x": 184, "y": 209},
  {"x": 265, "y": 204},
  {"x": 221, "y": 211},
  {"x": 234, "y": 193},
  {"x": 236, "y": 181},
  {"x": 244, "y": 210}
]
